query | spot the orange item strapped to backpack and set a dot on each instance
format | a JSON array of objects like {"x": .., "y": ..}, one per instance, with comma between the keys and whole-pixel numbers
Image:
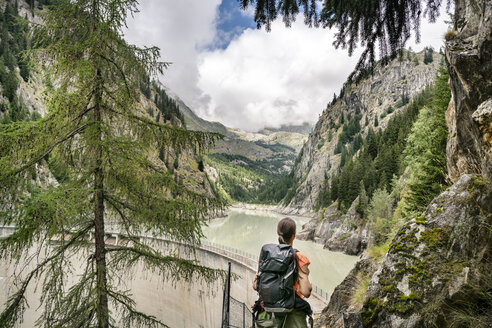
[{"x": 302, "y": 260}]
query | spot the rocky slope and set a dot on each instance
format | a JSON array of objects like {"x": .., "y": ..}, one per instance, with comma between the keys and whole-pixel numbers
[
  {"x": 337, "y": 232},
  {"x": 266, "y": 144},
  {"x": 469, "y": 117},
  {"x": 243, "y": 164},
  {"x": 31, "y": 97},
  {"x": 371, "y": 98},
  {"x": 437, "y": 270},
  {"x": 437, "y": 263}
]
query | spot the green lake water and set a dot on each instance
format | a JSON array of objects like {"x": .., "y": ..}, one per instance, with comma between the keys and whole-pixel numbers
[{"x": 248, "y": 231}]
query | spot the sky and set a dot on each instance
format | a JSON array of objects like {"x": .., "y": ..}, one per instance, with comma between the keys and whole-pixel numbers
[{"x": 227, "y": 70}]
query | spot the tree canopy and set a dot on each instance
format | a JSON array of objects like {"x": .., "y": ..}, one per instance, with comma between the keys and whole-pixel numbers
[{"x": 378, "y": 25}]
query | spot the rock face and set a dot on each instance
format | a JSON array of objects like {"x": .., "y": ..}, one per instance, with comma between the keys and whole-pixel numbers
[
  {"x": 341, "y": 312},
  {"x": 341, "y": 233},
  {"x": 370, "y": 98},
  {"x": 469, "y": 57},
  {"x": 437, "y": 262},
  {"x": 437, "y": 272}
]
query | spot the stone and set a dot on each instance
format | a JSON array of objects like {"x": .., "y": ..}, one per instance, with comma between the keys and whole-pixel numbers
[
  {"x": 423, "y": 279},
  {"x": 469, "y": 62},
  {"x": 340, "y": 312}
]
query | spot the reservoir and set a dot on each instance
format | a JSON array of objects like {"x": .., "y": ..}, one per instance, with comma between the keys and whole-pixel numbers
[{"x": 249, "y": 230}]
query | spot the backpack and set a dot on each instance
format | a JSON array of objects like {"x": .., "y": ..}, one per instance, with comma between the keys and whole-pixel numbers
[{"x": 276, "y": 276}]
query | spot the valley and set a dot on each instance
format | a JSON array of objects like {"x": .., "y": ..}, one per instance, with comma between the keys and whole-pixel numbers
[{"x": 117, "y": 198}]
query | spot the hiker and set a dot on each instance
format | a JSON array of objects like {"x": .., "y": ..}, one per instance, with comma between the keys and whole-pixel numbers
[{"x": 282, "y": 282}]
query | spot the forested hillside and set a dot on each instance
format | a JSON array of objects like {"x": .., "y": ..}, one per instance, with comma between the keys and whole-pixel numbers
[
  {"x": 26, "y": 86},
  {"x": 88, "y": 141},
  {"x": 411, "y": 151},
  {"x": 14, "y": 64},
  {"x": 360, "y": 110}
]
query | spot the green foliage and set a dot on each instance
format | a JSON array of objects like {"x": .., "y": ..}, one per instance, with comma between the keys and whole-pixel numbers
[
  {"x": 371, "y": 308},
  {"x": 100, "y": 146},
  {"x": 402, "y": 101},
  {"x": 13, "y": 45},
  {"x": 428, "y": 55},
  {"x": 357, "y": 298},
  {"x": 324, "y": 196},
  {"x": 168, "y": 108},
  {"x": 474, "y": 309},
  {"x": 425, "y": 152},
  {"x": 379, "y": 159},
  {"x": 245, "y": 180},
  {"x": 10, "y": 86},
  {"x": 380, "y": 216},
  {"x": 350, "y": 129},
  {"x": 201, "y": 166}
]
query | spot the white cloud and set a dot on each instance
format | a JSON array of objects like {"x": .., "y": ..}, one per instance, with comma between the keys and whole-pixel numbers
[
  {"x": 180, "y": 29},
  {"x": 431, "y": 34},
  {"x": 285, "y": 76}
]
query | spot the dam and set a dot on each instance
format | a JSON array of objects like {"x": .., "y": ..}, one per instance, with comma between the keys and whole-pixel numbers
[{"x": 176, "y": 303}]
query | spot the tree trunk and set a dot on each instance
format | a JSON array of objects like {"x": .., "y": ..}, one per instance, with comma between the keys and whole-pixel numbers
[{"x": 101, "y": 285}]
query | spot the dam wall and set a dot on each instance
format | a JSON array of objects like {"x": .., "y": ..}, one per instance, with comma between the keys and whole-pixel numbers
[{"x": 176, "y": 303}]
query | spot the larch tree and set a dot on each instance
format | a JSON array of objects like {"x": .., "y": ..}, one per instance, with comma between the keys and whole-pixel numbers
[
  {"x": 384, "y": 25},
  {"x": 105, "y": 150}
]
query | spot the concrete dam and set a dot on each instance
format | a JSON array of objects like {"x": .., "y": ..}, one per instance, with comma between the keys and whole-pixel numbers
[{"x": 176, "y": 303}]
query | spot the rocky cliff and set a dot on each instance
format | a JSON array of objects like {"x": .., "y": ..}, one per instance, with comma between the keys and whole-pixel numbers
[
  {"x": 374, "y": 99},
  {"x": 437, "y": 270},
  {"x": 438, "y": 264},
  {"x": 338, "y": 232},
  {"x": 469, "y": 57}
]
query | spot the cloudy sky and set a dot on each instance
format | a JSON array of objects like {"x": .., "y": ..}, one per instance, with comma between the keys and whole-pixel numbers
[{"x": 226, "y": 70}]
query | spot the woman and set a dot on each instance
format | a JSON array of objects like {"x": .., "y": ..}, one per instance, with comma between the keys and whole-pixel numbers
[{"x": 286, "y": 230}]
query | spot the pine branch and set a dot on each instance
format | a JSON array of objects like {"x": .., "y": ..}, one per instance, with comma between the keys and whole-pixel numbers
[
  {"x": 15, "y": 307},
  {"x": 71, "y": 134},
  {"x": 169, "y": 266},
  {"x": 132, "y": 317}
]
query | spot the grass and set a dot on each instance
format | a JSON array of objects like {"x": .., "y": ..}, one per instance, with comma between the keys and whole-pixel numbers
[
  {"x": 358, "y": 297},
  {"x": 450, "y": 35},
  {"x": 475, "y": 308},
  {"x": 378, "y": 252}
]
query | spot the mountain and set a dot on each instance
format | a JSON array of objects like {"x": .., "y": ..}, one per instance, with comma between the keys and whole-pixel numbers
[
  {"x": 193, "y": 122},
  {"x": 23, "y": 96},
  {"x": 370, "y": 104},
  {"x": 434, "y": 269},
  {"x": 243, "y": 164},
  {"x": 304, "y": 128}
]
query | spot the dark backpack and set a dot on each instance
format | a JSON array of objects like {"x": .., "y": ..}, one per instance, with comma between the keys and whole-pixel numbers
[{"x": 276, "y": 276}]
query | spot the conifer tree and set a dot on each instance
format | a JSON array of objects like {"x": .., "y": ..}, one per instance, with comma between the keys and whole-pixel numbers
[
  {"x": 106, "y": 150},
  {"x": 363, "y": 200},
  {"x": 425, "y": 152}
]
